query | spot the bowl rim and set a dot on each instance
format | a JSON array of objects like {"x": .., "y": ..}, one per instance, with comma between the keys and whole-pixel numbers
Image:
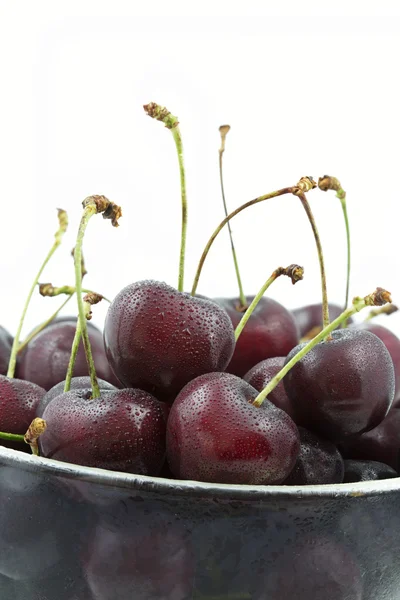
[{"x": 162, "y": 486}]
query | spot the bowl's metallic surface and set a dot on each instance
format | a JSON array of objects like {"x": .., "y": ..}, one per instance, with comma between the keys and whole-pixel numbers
[{"x": 77, "y": 533}]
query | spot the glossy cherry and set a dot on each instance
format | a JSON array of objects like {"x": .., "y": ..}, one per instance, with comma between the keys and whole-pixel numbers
[
  {"x": 45, "y": 360},
  {"x": 309, "y": 318},
  {"x": 6, "y": 341},
  {"x": 77, "y": 383},
  {"x": 270, "y": 331},
  {"x": 319, "y": 462},
  {"x": 381, "y": 444},
  {"x": 122, "y": 430},
  {"x": 366, "y": 470},
  {"x": 343, "y": 386},
  {"x": 216, "y": 434},
  {"x": 18, "y": 404},
  {"x": 262, "y": 373},
  {"x": 159, "y": 339}
]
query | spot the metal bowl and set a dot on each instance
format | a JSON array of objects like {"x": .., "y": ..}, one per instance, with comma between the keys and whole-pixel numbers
[{"x": 77, "y": 533}]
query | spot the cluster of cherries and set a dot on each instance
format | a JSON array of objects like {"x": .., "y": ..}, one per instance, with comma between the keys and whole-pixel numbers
[{"x": 226, "y": 390}]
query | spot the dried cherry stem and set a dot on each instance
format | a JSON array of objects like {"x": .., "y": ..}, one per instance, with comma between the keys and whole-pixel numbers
[
  {"x": 310, "y": 184},
  {"x": 35, "y": 430},
  {"x": 224, "y": 129},
  {"x": 63, "y": 224},
  {"x": 47, "y": 289},
  {"x": 171, "y": 122},
  {"x": 40, "y": 327},
  {"x": 295, "y": 272},
  {"x": 91, "y": 206},
  {"x": 377, "y": 298},
  {"x": 388, "y": 309}
]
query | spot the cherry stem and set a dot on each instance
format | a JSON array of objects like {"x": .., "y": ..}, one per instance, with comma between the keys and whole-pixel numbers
[
  {"x": 325, "y": 307},
  {"x": 288, "y": 190},
  {"x": 72, "y": 358},
  {"x": 63, "y": 224},
  {"x": 47, "y": 289},
  {"x": 387, "y": 310},
  {"x": 295, "y": 272},
  {"x": 35, "y": 430},
  {"x": 40, "y": 327},
  {"x": 11, "y": 437},
  {"x": 377, "y": 298},
  {"x": 224, "y": 131},
  {"x": 89, "y": 210},
  {"x": 171, "y": 122}
]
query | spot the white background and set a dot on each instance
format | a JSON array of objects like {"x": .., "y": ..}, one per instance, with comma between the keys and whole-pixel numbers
[{"x": 307, "y": 90}]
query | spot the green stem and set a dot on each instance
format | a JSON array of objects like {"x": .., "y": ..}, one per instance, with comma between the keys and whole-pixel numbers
[
  {"x": 63, "y": 222},
  {"x": 40, "y": 327},
  {"x": 72, "y": 359},
  {"x": 224, "y": 130},
  {"x": 346, "y": 220},
  {"x": 325, "y": 306},
  {"x": 179, "y": 148},
  {"x": 12, "y": 437},
  {"x": 288, "y": 190},
  {"x": 358, "y": 304},
  {"x": 89, "y": 211}
]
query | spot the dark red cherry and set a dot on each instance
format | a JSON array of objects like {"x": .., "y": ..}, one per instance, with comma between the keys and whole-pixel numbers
[
  {"x": 381, "y": 444},
  {"x": 270, "y": 331},
  {"x": 366, "y": 470},
  {"x": 309, "y": 318},
  {"x": 392, "y": 343},
  {"x": 18, "y": 403},
  {"x": 216, "y": 434},
  {"x": 343, "y": 386},
  {"x": 45, "y": 360},
  {"x": 319, "y": 462},
  {"x": 159, "y": 339},
  {"x": 6, "y": 342},
  {"x": 262, "y": 373},
  {"x": 77, "y": 383},
  {"x": 123, "y": 430}
]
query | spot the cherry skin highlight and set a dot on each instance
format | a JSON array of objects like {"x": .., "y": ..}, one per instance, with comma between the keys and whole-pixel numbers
[
  {"x": 216, "y": 434},
  {"x": 159, "y": 339},
  {"x": 6, "y": 342},
  {"x": 343, "y": 386},
  {"x": 366, "y": 470},
  {"x": 270, "y": 331},
  {"x": 18, "y": 403},
  {"x": 45, "y": 359},
  {"x": 319, "y": 462},
  {"x": 262, "y": 373},
  {"x": 123, "y": 430}
]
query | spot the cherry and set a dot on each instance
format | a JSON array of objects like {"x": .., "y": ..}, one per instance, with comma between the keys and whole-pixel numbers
[
  {"x": 380, "y": 444},
  {"x": 122, "y": 430},
  {"x": 6, "y": 341},
  {"x": 262, "y": 373},
  {"x": 77, "y": 383},
  {"x": 308, "y": 318},
  {"x": 159, "y": 339},
  {"x": 366, "y": 470},
  {"x": 18, "y": 404},
  {"x": 271, "y": 331},
  {"x": 45, "y": 360},
  {"x": 215, "y": 434},
  {"x": 392, "y": 343},
  {"x": 319, "y": 462},
  {"x": 343, "y": 386}
]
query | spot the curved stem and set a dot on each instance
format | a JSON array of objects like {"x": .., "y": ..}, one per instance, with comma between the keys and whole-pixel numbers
[
  {"x": 346, "y": 220},
  {"x": 288, "y": 190},
  {"x": 63, "y": 224},
  {"x": 12, "y": 437},
  {"x": 379, "y": 297},
  {"x": 224, "y": 130},
  {"x": 325, "y": 307},
  {"x": 295, "y": 272},
  {"x": 40, "y": 327},
  {"x": 88, "y": 212},
  {"x": 72, "y": 358},
  {"x": 179, "y": 148}
]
